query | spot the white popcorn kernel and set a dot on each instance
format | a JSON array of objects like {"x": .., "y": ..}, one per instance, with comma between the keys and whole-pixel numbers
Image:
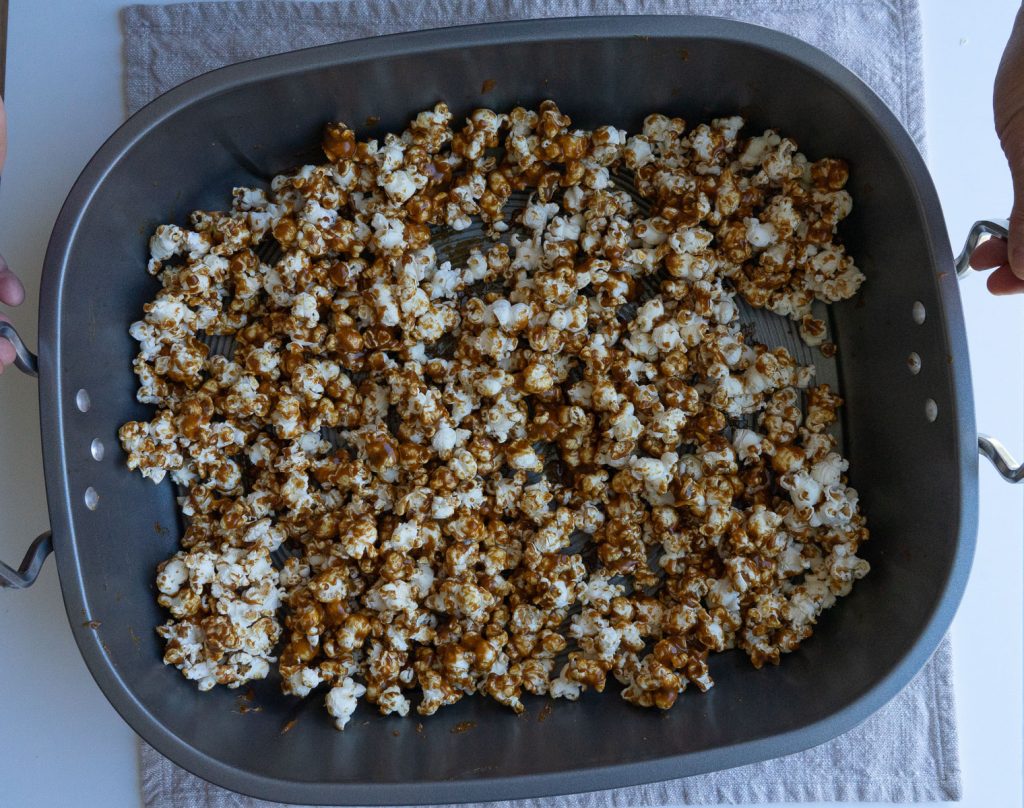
[
  {"x": 342, "y": 701},
  {"x": 399, "y": 186},
  {"x": 747, "y": 444},
  {"x": 730, "y": 126},
  {"x": 389, "y": 234},
  {"x": 760, "y": 234},
  {"x": 563, "y": 688},
  {"x": 172, "y": 576},
  {"x": 536, "y": 215},
  {"x": 638, "y": 152},
  {"x": 444, "y": 439},
  {"x": 318, "y": 215},
  {"x": 826, "y": 472},
  {"x": 302, "y": 681},
  {"x": 304, "y": 309},
  {"x": 166, "y": 242}
]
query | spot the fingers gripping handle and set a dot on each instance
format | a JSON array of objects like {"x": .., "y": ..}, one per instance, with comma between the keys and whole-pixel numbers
[
  {"x": 25, "y": 360},
  {"x": 1000, "y": 228}
]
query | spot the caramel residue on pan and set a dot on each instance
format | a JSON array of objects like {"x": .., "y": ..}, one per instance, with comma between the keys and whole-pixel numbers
[{"x": 289, "y": 726}]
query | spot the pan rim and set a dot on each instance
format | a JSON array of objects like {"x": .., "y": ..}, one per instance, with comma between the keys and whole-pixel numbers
[{"x": 55, "y": 401}]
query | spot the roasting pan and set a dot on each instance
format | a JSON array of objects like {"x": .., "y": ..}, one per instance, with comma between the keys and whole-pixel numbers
[{"x": 908, "y": 423}]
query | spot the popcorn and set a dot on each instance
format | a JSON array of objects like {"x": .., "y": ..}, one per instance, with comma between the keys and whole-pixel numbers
[
  {"x": 224, "y": 606},
  {"x": 760, "y": 234},
  {"x": 342, "y": 701},
  {"x": 433, "y": 439}
]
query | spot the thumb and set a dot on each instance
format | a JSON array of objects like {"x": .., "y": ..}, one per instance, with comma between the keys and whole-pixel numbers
[
  {"x": 1013, "y": 146},
  {"x": 11, "y": 290},
  {"x": 1015, "y": 242},
  {"x": 1008, "y": 109}
]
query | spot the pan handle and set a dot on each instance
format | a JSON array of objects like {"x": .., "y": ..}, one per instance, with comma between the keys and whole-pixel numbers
[
  {"x": 31, "y": 564},
  {"x": 27, "y": 573},
  {"x": 1008, "y": 468},
  {"x": 24, "y": 360}
]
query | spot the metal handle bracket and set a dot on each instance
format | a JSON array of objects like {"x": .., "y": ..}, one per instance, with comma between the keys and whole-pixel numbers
[
  {"x": 1008, "y": 468},
  {"x": 26, "y": 574}
]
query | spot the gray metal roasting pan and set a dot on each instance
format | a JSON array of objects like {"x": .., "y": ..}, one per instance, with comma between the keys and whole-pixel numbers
[{"x": 240, "y": 125}]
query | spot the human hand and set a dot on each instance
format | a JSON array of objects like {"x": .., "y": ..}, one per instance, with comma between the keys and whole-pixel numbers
[
  {"x": 11, "y": 290},
  {"x": 11, "y": 293},
  {"x": 1008, "y": 104}
]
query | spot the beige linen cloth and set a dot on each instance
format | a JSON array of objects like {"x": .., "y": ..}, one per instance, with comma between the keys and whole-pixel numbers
[{"x": 907, "y": 751}]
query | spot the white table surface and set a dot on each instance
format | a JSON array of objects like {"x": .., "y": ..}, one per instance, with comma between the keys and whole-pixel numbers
[{"x": 60, "y": 741}]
